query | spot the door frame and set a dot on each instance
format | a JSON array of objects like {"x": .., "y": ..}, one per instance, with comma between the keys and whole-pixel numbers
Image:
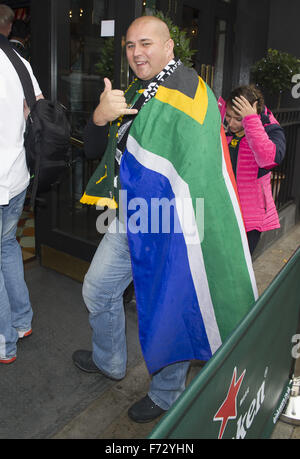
[{"x": 211, "y": 10}]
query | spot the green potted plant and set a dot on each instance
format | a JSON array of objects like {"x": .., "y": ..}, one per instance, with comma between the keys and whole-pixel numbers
[
  {"x": 105, "y": 65},
  {"x": 273, "y": 74},
  {"x": 182, "y": 42}
]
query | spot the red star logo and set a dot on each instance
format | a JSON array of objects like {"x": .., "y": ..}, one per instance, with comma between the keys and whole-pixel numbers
[{"x": 228, "y": 408}]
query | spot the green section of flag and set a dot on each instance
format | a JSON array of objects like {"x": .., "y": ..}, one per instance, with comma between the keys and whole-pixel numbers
[{"x": 195, "y": 151}]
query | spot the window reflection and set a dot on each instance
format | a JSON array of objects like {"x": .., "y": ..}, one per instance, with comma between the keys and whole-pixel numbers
[
  {"x": 91, "y": 58},
  {"x": 219, "y": 58},
  {"x": 85, "y": 56},
  {"x": 190, "y": 21}
]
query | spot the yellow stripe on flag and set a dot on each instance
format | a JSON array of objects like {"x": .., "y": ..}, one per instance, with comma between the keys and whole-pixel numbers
[{"x": 196, "y": 108}]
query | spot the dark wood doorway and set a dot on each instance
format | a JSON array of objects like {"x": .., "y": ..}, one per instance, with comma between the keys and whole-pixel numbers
[{"x": 210, "y": 27}]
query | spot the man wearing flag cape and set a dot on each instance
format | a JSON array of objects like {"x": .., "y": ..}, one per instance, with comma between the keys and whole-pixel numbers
[{"x": 178, "y": 233}]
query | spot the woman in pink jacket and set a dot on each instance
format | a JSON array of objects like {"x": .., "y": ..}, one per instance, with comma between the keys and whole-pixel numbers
[{"x": 256, "y": 144}]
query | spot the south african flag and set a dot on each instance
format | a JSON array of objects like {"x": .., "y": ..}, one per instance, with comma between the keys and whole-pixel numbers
[{"x": 191, "y": 264}]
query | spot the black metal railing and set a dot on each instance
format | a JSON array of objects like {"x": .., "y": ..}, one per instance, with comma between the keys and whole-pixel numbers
[{"x": 283, "y": 175}]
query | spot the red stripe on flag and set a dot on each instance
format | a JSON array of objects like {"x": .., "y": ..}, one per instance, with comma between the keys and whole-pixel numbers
[{"x": 228, "y": 163}]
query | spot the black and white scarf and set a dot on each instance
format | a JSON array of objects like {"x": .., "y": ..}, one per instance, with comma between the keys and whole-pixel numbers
[{"x": 148, "y": 93}]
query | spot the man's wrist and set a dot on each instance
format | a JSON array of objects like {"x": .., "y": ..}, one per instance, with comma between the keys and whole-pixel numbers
[{"x": 98, "y": 119}]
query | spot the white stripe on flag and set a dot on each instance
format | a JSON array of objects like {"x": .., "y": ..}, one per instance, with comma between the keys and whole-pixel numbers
[
  {"x": 181, "y": 191},
  {"x": 239, "y": 218}
]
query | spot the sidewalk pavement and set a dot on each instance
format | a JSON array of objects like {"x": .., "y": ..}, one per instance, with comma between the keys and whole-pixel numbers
[{"x": 106, "y": 417}]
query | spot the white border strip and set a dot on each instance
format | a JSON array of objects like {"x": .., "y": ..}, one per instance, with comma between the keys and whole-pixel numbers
[
  {"x": 237, "y": 211},
  {"x": 181, "y": 190}
]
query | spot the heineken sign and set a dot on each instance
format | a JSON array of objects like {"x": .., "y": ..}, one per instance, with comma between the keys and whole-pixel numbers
[
  {"x": 229, "y": 410},
  {"x": 241, "y": 392}
]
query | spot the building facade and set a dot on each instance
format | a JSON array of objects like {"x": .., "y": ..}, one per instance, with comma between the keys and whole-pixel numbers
[{"x": 76, "y": 43}]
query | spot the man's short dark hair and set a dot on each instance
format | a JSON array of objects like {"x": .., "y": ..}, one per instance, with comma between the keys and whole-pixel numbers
[{"x": 20, "y": 29}]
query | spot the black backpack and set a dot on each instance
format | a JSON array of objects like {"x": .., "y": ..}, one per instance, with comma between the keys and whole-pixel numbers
[{"x": 47, "y": 133}]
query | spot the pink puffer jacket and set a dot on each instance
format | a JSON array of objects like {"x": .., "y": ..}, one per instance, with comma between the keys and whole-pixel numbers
[{"x": 256, "y": 151}]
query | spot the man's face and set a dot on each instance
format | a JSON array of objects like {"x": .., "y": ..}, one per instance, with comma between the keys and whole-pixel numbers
[{"x": 148, "y": 51}]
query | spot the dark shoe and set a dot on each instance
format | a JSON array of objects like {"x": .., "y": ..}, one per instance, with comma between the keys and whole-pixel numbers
[
  {"x": 145, "y": 410},
  {"x": 83, "y": 360}
]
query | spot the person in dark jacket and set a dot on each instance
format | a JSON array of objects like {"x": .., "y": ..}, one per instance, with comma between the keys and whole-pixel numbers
[{"x": 19, "y": 38}]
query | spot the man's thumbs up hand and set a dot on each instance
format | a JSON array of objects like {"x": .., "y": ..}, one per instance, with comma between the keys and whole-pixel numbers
[
  {"x": 107, "y": 84},
  {"x": 112, "y": 105}
]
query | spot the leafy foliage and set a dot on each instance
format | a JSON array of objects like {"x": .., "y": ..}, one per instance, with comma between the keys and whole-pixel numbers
[
  {"x": 274, "y": 72},
  {"x": 182, "y": 42},
  {"x": 105, "y": 66}
]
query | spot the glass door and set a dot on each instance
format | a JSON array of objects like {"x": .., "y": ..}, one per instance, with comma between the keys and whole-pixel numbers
[
  {"x": 86, "y": 46},
  {"x": 86, "y": 57}
]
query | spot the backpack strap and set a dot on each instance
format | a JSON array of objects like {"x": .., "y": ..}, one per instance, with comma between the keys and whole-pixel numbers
[{"x": 21, "y": 70}]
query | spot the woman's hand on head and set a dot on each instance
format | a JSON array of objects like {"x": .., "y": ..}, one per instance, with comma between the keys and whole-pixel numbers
[{"x": 243, "y": 107}]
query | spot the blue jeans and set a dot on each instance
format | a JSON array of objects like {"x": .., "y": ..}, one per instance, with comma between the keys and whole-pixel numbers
[
  {"x": 15, "y": 307},
  {"x": 104, "y": 284}
]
